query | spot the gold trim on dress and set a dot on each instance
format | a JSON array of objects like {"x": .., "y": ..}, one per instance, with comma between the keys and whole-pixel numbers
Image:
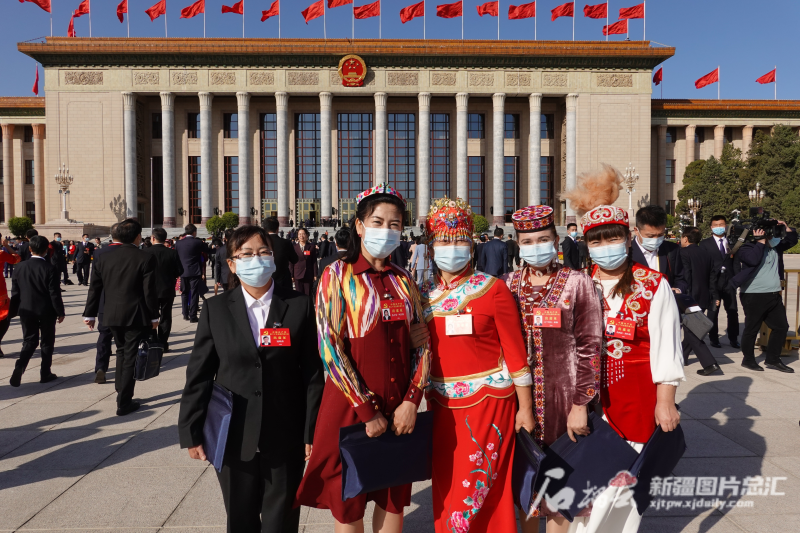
[
  {"x": 520, "y": 373},
  {"x": 471, "y": 376}
]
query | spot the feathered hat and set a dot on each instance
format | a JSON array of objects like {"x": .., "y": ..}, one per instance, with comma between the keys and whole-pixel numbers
[
  {"x": 450, "y": 221},
  {"x": 594, "y": 197}
]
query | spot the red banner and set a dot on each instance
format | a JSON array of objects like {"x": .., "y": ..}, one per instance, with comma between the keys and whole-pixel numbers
[
  {"x": 237, "y": 8},
  {"x": 617, "y": 28},
  {"x": 71, "y": 28},
  {"x": 635, "y": 12},
  {"x": 489, "y": 8},
  {"x": 708, "y": 79},
  {"x": 338, "y": 3},
  {"x": 600, "y": 11},
  {"x": 157, "y": 10},
  {"x": 413, "y": 11},
  {"x": 273, "y": 11},
  {"x": 194, "y": 9},
  {"x": 36, "y": 81},
  {"x": 44, "y": 4},
  {"x": 564, "y": 10},
  {"x": 525, "y": 11},
  {"x": 122, "y": 8},
  {"x": 83, "y": 9},
  {"x": 449, "y": 11},
  {"x": 315, "y": 10},
  {"x": 769, "y": 77},
  {"x": 659, "y": 76},
  {"x": 369, "y": 10}
]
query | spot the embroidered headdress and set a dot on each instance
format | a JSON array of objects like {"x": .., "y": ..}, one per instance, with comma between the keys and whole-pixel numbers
[
  {"x": 533, "y": 218},
  {"x": 381, "y": 188},
  {"x": 594, "y": 196},
  {"x": 450, "y": 221}
]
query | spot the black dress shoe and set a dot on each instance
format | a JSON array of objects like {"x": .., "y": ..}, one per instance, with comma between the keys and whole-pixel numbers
[
  {"x": 715, "y": 344},
  {"x": 707, "y": 371},
  {"x": 100, "y": 377},
  {"x": 753, "y": 366},
  {"x": 780, "y": 367},
  {"x": 16, "y": 379},
  {"x": 48, "y": 378},
  {"x": 128, "y": 409},
  {"x": 735, "y": 344},
  {"x": 193, "y": 320}
]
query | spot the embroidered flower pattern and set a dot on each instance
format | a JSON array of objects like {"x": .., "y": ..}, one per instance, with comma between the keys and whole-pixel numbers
[
  {"x": 461, "y": 389},
  {"x": 449, "y": 305},
  {"x": 465, "y": 484}
]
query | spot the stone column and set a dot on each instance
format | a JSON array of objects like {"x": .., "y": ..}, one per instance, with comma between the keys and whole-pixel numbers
[
  {"x": 719, "y": 140},
  {"x": 690, "y": 144},
  {"x": 462, "y": 167},
  {"x": 747, "y": 139},
  {"x": 381, "y": 159},
  {"x": 245, "y": 159},
  {"x": 498, "y": 168},
  {"x": 661, "y": 184},
  {"x": 424, "y": 157},
  {"x": 38, "y": 172},
  {"x": 168, "y": 158},
  {"x": 8, "y": 170},
  {"x": 282, "y": 119},
  {"x": 535, "y": 150},
  {"x": 325, "y": 115},
  {"x": 129, "y": 146},
  {"x": 206, "y": 158},
  {"x": 572, "y": 153}
]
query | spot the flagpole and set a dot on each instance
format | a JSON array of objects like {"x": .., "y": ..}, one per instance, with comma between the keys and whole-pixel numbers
[
  {"x": 534, "y": 23},
  {"x": 51, "y": 21},
  {"x": 279, "y": 21},
  {"x": 242, "y": 20},
  {"x": 607, "y": 7},
  {"x": 498, "y": 19},
  {"x": 204, "y": 22},
  {"x": 324, "y": 21},
  {"x": 424, "y": 21},
  {"x": 573, "y": 20},
  {"x": 380, "y": 22},
  {"x": 719, "y": 80},
  {"x": 166, "y": 35},
  {"x": 462, "y": 20},
  {"x": 776, "y": 82},
  {"x": 354, "y": 19},
  {"x": 128, "y": 16},
  {"x": 644, "y": 20},
  {"x": 90, "y": 21}
]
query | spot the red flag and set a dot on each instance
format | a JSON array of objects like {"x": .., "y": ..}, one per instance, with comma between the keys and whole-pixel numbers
[
  {"x": 769, "y": 77},
  {"x": 659, "y": 75},
  {"x": 273, "y": 11},
  {"x": 708, "y": 79},
  {"x": 600, "y": 11},
  {"x": 194, "y": 9},
  {"x": 44, "y": 4},
  {"x": 83, "y": 9},
  {"x": 122, "y": 8},
  {"x": 71, "y": 28},
  {"x": 36, "y": 81},
  {"x": 525, "y": 11},
  {"x": 635, "y": 12},
  {"x": 369, "y": 10},
  {"x": 616, "y": 28},
  {"x": 412, "y": 12},
  {"x": 489, "y": 8},
  {"x": 237, "y": 8},
  {"x": 157, "y": 10},
  {"x": 449, "y": 11},
  {"x": 338, "y": 3},
  {"x": 564, "y": 10},
  {"x": 315, "y": 10}
]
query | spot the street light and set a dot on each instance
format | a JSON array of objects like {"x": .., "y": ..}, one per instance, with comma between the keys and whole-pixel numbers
[
  {"x": 757, "y": 195},
  {"x": 694, "y": 206},
  {"x": 629, "y": 179},
  {"x": 64, "y": 180}
]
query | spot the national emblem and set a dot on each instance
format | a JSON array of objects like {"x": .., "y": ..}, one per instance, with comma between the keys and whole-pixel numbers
[{"x": 352, "y": 71}]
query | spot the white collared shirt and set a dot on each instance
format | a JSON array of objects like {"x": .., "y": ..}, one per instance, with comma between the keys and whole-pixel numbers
[
  {"x": 257, "y": 311},
  {"x": 650, "y": 257},
  {"x": 724, "y": 242}
]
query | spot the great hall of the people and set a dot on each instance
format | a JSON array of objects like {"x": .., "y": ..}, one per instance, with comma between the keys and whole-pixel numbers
[{"x": 173, "y": 131}]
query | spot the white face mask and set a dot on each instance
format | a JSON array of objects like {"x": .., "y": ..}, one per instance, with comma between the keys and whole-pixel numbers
[
  {"x": 538, "y": 255},
  {"x": 381, "y": 242},
  {"x": 452, "y": 259}
]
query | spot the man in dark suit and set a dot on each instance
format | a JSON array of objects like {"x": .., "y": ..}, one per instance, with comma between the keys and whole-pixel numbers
[
  {"x": 24, "y": 246},
  {"x": 495, "y": 255},
  {"x": 652, "y": 250},
  {"x": 583, "y": 253},
  {"x": 342, "y": 239},
  {"x": 36, "y": 299},
  {"x": 192, "y": 251},
  {"x": 719, "y": 250},
  {"x": 223, "y": 271},
  {"x": 167, "y": 273},
  {"x": 477, "y": 261},
  {"x": 698, "y": 272},
  {"x": 128, "y": 278},
  {"x": 569, "y": 248},
  {"x": 283, "y": 252},
  {"x": 513, "y": 253},
  {"x": 83, "y": 259},
  {"x": 400, "y": 255},
  {"x": 105, "y": 336},
  {"x": 59, "y": 257}
]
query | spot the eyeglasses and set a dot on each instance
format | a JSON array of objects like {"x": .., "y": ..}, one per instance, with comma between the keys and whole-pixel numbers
[{"x": 245, "y": 257}]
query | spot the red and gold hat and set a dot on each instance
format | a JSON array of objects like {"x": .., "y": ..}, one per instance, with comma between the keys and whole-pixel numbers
[
  {"x": 450, "y": 221},
  {"x": 381, "y": 188},
  {"x": 603, "y": 215},
  {"x": 533, "y": 218}
]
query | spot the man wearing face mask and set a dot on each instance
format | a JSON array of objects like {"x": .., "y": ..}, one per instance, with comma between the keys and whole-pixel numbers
[
  {"x": 572, "y": 256},
  {"x": 653, "y": 250},
  {"x": 717, "y": 245},
  {"x": 759, "y": 283}
]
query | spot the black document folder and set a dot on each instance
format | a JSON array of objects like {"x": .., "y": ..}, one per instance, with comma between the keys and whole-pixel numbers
[{"x": 215, "y": 429}]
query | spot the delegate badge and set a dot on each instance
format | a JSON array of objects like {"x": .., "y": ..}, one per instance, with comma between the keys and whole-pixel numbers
[
  {"x": 458, "y": 325},
  {"x": 307, "y": 252},
  {"x": 275, "y": 337},
  {"x": 547, "y": 318},
  {"x": 392, "y": 311},
  {"x": 620, "y": 329}
]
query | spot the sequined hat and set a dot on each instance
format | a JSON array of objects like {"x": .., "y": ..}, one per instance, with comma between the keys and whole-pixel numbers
[
  {"x": 533, "y": 218},
  {"x": 381, "y": 188},
  {"x": 603, "y": 215},
  {"x": 450, "y": 221}
]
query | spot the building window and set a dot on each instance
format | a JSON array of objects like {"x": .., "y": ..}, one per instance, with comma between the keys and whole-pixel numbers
[
  {"x": 1, "y": 171},
  {"x": 510, "y": 185},
  {"x": 269, "y": 156},
  {"x": 477, "y": 181},
  {"x": 547, "y": 174},
  {"x": 156, "y": 126},
  {"x": 669, "y": 207},
  {"x": 354, "y": 153},
  {"x": 440, "y": 155},
  {"x": 700, "y": 135},
  {"x": 27, "y": 134},
  {"x": 232, "y": 184},
  {"x": 511, "y": 126},
  {"x": 727, "y": 135},
  {"x": 230, "y": 125},
  {"x": 30, "y": 210},
  {"x": 193, "y": 126},
  {"x": 29, "y": 172},
  {"x": 476, "y": 126},
  {"x": 194, "y": 190},
  {"x": 670, "y": 171},
  {"x": 403, "y": 153},
  {"x": 157, "y": 194},
  {"x": 308, "y": 156},
  {"x": 672, "y": 135},
  {"x": 2, "y": 212},
  {"x": 548, "y": 126}
]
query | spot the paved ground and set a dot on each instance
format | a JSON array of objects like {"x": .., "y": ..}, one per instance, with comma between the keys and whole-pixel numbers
[{"x": 67, "y": 463}]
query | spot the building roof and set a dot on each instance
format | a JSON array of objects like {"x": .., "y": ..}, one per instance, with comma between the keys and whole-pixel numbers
[
  {"x": 692, "y": 108},
  {"x": 96, "y": 52},
  {"x": 22, "y": 106}
]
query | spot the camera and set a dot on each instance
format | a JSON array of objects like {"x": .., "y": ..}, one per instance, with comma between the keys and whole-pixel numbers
[{"x": 759, "y": 220}]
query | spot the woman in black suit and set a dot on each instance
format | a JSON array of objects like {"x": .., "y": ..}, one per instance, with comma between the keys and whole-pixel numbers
[
  {"x": 304, "y": 271},
  {"x": 276, "y": 388}
]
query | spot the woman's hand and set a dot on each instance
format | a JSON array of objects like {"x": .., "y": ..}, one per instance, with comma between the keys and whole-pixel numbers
[
  {"x": 577, "y": 422},
  {"x": 377, "y": 426},
  {"x": 419, "y": 335},
  {"x": 525, "y": 420},
  {"x": 667, "y": 415},
  {"x": 196, "y": 452},
  {"x": 405, "y": 417},
  {"x": 309, "y": 447}
]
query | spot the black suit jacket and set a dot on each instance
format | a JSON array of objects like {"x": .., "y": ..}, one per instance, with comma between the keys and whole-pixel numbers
[
  {"x": 329, "y": 260},
  {"x": 572, "y": 256},
  {"x": 286, "y": 392},
  {"x": 128, "y": 278},
  {"x": 168, "y": 271},
  {"x": 223, "y": 271},
  {"x": 25, "y": 250},
  {"x": 36, "y": 291},
  {"x": 100, "y": 251},
  {"x": 80, "y": 256},
  {"x": 478, "y": 260},
  {"x": 283, "y": 252},
  {"x": 513, "y": 252},
  {"x": 698, "y": 272},
  {"x": 495, "y": 257},
  {"x": 191, "y": 250},
  {"x": 669, "y": 263}
]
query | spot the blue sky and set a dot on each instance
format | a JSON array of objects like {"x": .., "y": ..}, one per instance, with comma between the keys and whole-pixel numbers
[{"x": 746, "y": 38}]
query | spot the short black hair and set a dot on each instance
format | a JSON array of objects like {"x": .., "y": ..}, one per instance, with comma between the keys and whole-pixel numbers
[
  {"x": 56, "y": 233},
  {"x": 31, "y": 233},
  {"x": 719, "y": 217},
  {"x": 84, "y": 235},
  {"x": 190, "y": 229},
  {"x": 159, "y": 234},
  {"x": 228, "y": 233},
  {"x": 693, "y": 235},
  {"x": 271, "y": 224},
  {"x": 342, "y": 238},
  {"x": 39, "y": 244},
  {"x": 498, "y": 232},
  {"x": 128, "y": 230},
  {"x": 572, "y": 225},
  {"x": 303, "y": 229},
  {"x": 651, "y": 215}
]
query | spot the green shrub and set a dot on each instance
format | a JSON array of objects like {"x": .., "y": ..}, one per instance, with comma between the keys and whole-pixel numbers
[
  {"x": 481, "y": 224},
  {"x": 19, "y": 226},
  {"x": 215, "y": 226},
  {"x": 794, "y": 250},
  {"x": 230, "y": 219}
]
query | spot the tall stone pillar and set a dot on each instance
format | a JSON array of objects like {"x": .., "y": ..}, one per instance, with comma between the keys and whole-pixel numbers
[
  {"x": 129, "y": 146},
  {"x": 498, "y": 174},
  {"x": 661, "y": 184},
  {"x": 282, "y": 119},
  {"x": 572, "y": 152},
  {"x": 535, "y": 150},
  {"x": 462, "y": 168},
  {"x": 206, "y": 158},
  {"x": 325, "y": 115},
  {"x": 719, "y": 140},
  {"x": 168, "y": 158},
  {"x": 424, "y": 157},
  {"x": 8, "y": 171},
  {"x": 747, "y": 139},
  {"x": 38, "y": 172},
  {"x": 245, "y": 159},
  {"x": 381, "y": 159},
  {"x": 690, "y": 130}
]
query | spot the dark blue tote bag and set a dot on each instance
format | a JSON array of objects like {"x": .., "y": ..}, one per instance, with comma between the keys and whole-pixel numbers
[{"x": 528, "y": 457}]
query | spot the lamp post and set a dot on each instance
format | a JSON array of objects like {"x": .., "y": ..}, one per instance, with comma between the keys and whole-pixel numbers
[
  {"x": 64, "y": 180},
  {"x": 629, "y": 179},
  {"x": 757, "y": 195},
  {"x": 694, "y": 206}
]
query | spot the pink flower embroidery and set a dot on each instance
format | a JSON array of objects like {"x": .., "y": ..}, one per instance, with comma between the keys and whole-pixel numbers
[
  {"x": 459, "y": 523},
  {"x": 465, "y": 483},
  {"x": 494, "y": 456},
  {"x": 449, "y": 304},
  {"x": 477, "y": 278},
  {"x": 494, "y": 476},
  {"x": 479, "y": 496},
  {"x": 490, "y": 446},
  {"x": 461, "y": 388},
  {"x": 479, "y": 462}
]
